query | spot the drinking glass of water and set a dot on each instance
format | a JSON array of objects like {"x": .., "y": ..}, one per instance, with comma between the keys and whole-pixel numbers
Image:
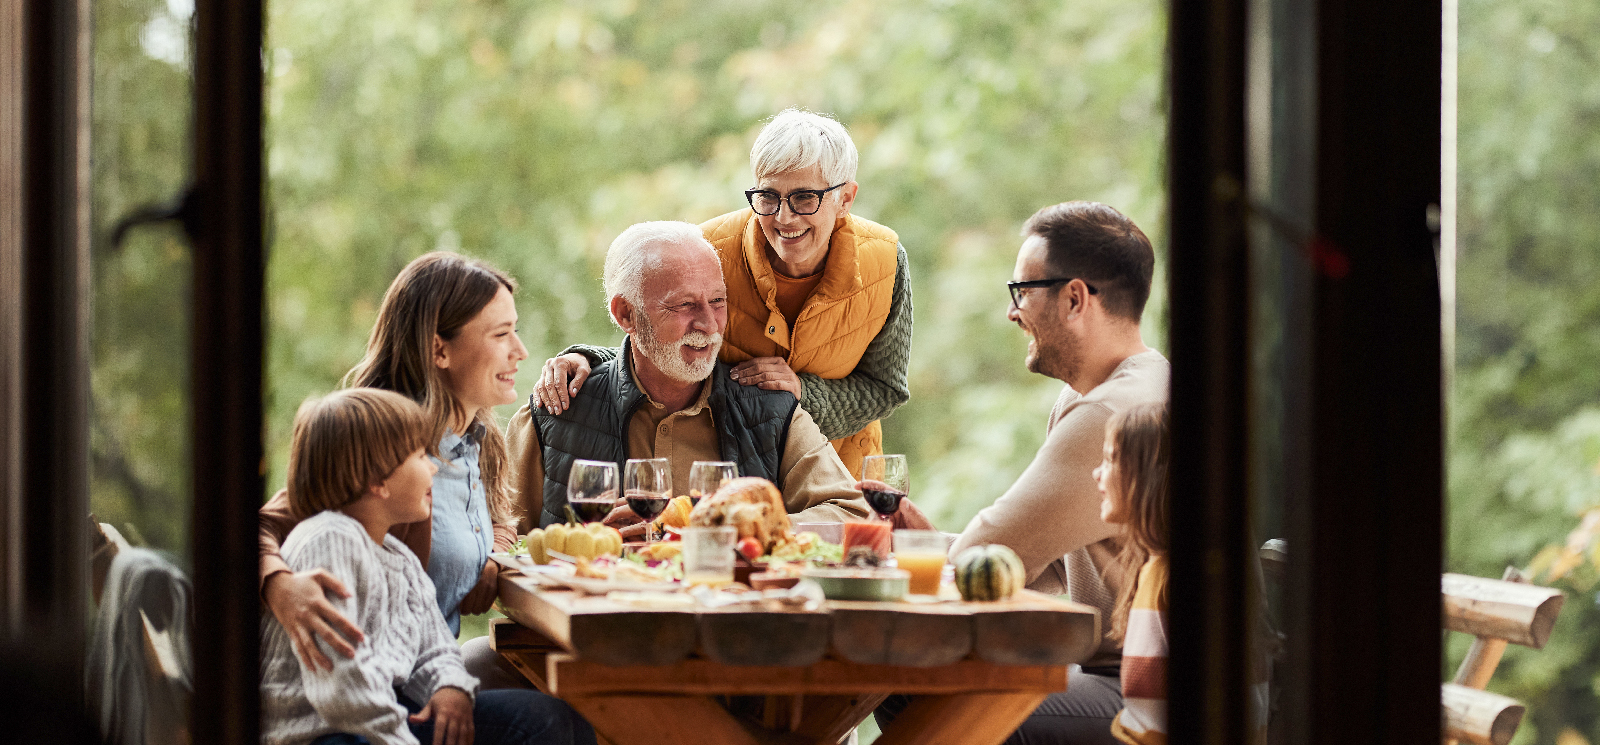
[{"x": 706, "y": 477}]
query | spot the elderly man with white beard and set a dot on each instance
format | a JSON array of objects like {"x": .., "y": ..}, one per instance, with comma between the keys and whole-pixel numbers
[{"x": 661, "y": 399}]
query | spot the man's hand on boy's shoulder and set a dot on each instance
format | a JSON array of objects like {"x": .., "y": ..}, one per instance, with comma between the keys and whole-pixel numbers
[{"x": 450, "y": 710}]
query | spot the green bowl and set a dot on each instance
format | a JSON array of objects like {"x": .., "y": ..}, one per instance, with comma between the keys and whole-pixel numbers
[{"x": 861, "y": 584}]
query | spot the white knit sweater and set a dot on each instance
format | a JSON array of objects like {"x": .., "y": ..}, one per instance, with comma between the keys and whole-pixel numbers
[{"x": 407, "y": 647}]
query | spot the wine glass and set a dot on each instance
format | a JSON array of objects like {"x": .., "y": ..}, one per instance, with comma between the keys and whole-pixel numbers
[
  {"x": 592, "y": 489},
  {"x": 888, "y": 480},
  {"x": 647, "y": 482},
  {"x": 706, "y": 476}
]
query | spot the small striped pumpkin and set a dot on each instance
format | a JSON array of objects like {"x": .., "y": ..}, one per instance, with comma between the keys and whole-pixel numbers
[{"x": 991, "y": 572}]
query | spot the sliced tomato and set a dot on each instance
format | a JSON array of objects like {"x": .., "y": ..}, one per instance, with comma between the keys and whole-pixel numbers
[{"x": 750, "y": 548}]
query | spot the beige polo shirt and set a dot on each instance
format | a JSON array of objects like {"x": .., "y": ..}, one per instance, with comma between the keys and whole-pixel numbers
[{"x": 815, "y": 485}]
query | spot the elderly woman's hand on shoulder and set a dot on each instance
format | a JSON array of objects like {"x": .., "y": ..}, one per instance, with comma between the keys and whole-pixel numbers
[{"x": 770, "y": 373}]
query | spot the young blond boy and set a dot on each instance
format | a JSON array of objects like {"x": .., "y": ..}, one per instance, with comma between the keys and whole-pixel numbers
[{"x": 358, "y": 464}]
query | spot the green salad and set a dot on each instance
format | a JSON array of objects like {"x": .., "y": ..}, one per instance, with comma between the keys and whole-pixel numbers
[{"x": 807, "y": 547}]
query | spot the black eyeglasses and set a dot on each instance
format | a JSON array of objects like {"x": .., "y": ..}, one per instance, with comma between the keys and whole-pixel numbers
[
  {"x": 1016, "y": 288},
  {"x": 801, "y": 201}
]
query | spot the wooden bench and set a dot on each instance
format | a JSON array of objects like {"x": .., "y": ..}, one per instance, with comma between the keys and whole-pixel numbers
[{"x": 1497, "y": 612}]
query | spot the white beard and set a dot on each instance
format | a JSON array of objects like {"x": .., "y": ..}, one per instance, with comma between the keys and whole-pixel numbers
[{"x": 666, "y": 357}]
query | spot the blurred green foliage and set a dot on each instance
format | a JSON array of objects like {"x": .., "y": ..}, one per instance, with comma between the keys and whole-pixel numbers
[
  {"x": 1525, "y": 420},
  {"x": 529, "y": 133},
  {"x": 140, "y": 140}
]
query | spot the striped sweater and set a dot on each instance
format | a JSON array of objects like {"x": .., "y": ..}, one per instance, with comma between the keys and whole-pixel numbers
[
  {"x": 408, "y": 648},
  {"x": 1143, "y": 719}
]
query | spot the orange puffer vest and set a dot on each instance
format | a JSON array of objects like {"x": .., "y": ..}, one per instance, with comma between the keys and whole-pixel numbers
[{"x": 842, "y": 316}]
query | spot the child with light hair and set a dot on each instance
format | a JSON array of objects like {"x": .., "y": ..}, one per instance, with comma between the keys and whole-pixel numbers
[
  {"x": 1134, "y": 494},
  {"x": 358, "y": 465}
]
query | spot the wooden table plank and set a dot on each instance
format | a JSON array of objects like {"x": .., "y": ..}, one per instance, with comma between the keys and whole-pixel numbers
[
  {"x": 648, "y": 674},
  {"x": 571, "y": 676},
  {"x": 1028, "y": 629},
  {"x": 901, "y": 633},
  {"x": 764, "y": 638},
  {"x": 599, "y": 629}
]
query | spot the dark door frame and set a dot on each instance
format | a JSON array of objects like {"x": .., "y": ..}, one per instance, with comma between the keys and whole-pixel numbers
[
  {"x": 223, "y": 216},
  {"x": 45, "y": 67},
  {"x": 1365, "y": 526},
  {"x": 1366, "y": 542}
]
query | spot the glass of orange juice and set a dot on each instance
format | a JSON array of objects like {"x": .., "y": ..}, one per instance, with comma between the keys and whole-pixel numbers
[{"x": 922, "y": 553}]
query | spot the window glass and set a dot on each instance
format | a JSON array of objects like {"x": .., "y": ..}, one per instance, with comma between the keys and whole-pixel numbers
[
  {"x": 1525, "y": 406},
  {"x": 139, "y": 426},
  {"x": 530, "y": 134}
]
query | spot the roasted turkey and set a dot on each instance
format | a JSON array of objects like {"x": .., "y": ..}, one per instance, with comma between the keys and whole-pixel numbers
[{"x": 751, "y": 504}]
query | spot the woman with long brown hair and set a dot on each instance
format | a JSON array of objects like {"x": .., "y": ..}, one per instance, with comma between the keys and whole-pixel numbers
[{"x": 445, "y": 338}]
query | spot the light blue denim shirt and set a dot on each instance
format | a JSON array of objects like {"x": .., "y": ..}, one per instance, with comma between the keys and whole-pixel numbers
[{"x": 463, "y": 536}]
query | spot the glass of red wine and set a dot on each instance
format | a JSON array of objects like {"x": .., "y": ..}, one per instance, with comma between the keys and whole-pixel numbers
[
  {"x": 647, "y": 485},
  {"x": 592, "y": 489},
  {"x": 887, "y": 480}
]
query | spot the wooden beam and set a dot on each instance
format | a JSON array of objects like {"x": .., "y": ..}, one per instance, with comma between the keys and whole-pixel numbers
[
  {"x": 764, "y": 638},
  {"x": 1034, "y": 637},
  {"x": 1484, "y": 656},
  {"x": 1479, "y": 716},
  {"x": 107, "y": 543},
  {"x": 926, "y": 636},
  {"x": 647, "y": 720},
  {"x": 569, "y": 676},
  {"x": 960, "y": 719},
  {"x": 1027, "y": 629},
  {"x": 1519, "y": 613},
  {"x": 600, "y": 630},
  {"x": 828, "y": 719},
  {"x": 527, "y": 650}
]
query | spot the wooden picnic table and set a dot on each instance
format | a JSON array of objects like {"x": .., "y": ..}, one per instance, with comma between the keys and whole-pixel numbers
[{"x": 741, "y": 676}]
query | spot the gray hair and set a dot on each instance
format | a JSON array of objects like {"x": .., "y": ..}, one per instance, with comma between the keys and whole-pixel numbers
[
  {"x": 796, "y": 139},
  {"x": 630, "y": 255}
]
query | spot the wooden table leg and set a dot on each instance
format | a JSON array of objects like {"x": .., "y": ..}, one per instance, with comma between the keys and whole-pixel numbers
[
  {"x": 524, "y": 648},
  {"x": 643, "y": 719},
  {"x": 961, "y": 719},
  {"x": 826, "y": 719}
]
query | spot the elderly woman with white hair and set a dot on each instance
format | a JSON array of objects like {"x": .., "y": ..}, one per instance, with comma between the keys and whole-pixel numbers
[{"x": 819, "y": 300}]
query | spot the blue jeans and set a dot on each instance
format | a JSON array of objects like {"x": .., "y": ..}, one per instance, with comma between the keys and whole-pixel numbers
[{"x": 504, "y": 717}]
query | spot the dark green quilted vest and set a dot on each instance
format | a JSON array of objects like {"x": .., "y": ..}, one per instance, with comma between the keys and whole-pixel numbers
[{"x": 752, "y": 427}]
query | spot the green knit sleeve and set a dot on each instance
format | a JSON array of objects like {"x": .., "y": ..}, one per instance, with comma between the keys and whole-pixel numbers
[{"x": 878, "y": 384}]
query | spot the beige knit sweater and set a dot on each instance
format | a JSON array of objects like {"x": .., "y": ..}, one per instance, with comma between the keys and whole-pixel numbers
[{"x": 1051, "y": 515}]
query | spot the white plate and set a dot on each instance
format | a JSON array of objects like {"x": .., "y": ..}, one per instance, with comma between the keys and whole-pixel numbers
[{"x": 526, "y": 565}]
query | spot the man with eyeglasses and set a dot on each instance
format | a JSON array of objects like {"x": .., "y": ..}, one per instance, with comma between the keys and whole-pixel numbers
[
  {"x": 1080, "y": 286},
  {"x": 819, "y": 300}
]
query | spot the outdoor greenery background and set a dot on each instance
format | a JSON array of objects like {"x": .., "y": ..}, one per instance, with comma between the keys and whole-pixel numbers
[{"x": 530, "y": 132}]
